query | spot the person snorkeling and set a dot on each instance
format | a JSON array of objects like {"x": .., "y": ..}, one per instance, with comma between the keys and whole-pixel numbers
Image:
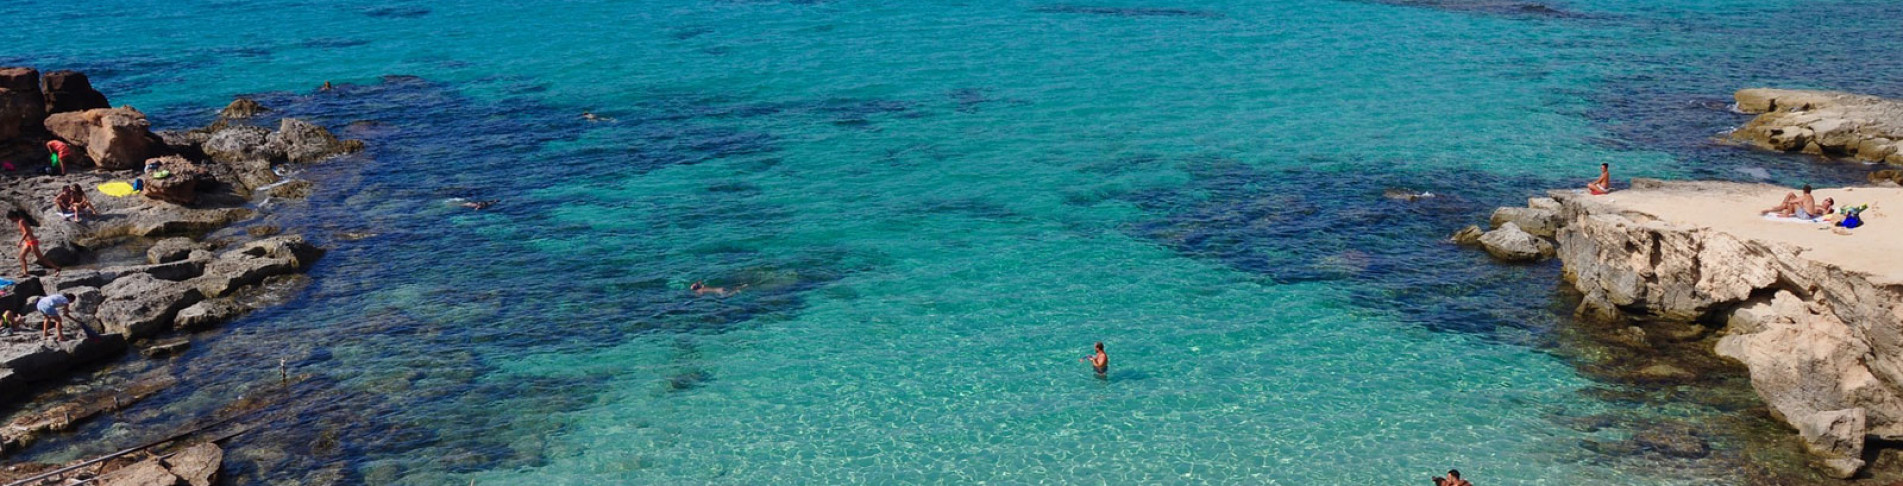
[{"x": 701, "y": 288}]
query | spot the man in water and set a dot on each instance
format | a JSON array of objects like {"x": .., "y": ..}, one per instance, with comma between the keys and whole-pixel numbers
[
  {"x": 1452, "y": 479},
  {"x": 1801, "y": 207},
  {"x": 700, "y": 288},
  {"x": 480, "y": 205},
  {"x": 1603, "y": 184},
  {"x": 52, "y": 306},
  {"x": 1099, "y": 362}
]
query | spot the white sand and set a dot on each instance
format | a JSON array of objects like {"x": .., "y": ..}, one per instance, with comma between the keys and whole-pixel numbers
[{"x": 1875, "y": 249}]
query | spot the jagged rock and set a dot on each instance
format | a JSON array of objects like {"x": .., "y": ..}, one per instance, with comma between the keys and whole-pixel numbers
[
  {"x": 293, "y": 189},
  {"x": 242, "y": 143},
  {"x": 1544, "y": 203},
  {"x": 182, "y": 182},
  {"x": 303, "y": 142},
  {"x": 242, "y": 108},
  {"x": 225, "y": 275},
  {"x": 1538, "y": 222},
  {"x": 68, "y": 91},
  {"x": 175, "y": 271},
  {"x": 22, "y": 107},
  {"x": 206, "y": 314},
  {"x": 263, "y": 230},
  {"x": 1469, "y": 235},
  {"x": 293, "y": 247},
  {"x": 171, "y": 250},
  {"x": 1511, "y": 244},
  {"x": 138, "y": 305},
  {"x": 114, "y": 138},
  {"x": 167, "y": 348},
  {"x": 198, "y": 465},
  {"x": 1822, "y": 122},
  {"x": 1836, "y": 438},
  {"x": 29, "y": 360},
  {"x": 150, "y": 472}
]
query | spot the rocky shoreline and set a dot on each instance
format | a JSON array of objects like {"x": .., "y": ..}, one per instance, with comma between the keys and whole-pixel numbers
[{"x": 142, "y": 272}]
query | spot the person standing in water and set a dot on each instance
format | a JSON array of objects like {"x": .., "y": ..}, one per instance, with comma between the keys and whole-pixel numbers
[
  {"x": 1100, "y": 362},
  {"x": 1603, "y": 184}
]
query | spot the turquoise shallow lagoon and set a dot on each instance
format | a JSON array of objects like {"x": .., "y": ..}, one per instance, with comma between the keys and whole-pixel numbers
[{"x": 936, "y": 208}]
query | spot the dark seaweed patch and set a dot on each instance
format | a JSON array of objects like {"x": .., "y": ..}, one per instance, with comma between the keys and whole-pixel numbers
[
  {"x": 396, "y": 12},
  {"x": 333, "y": 43},
  {"x": 1504, "y": 8},
  {"x": 1127, "y": 11}
]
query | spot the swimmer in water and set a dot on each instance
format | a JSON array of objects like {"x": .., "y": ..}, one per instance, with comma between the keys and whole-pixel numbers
[
  {"x": 480, "y": 205},
  {"x": 700, "y": 288},
  {"x": 325, "y": 87},
  {"x": 1099, "y": 362}
]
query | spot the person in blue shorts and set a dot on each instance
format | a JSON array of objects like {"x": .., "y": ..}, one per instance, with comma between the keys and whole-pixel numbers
[{"x": 52, "y": 306}]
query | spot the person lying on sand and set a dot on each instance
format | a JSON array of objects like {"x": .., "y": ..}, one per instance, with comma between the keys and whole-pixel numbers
[
  {"x": 701, "y": 288},
  {"x": 1801, "y": 207},
  {"x": 1603, "y": 184}
]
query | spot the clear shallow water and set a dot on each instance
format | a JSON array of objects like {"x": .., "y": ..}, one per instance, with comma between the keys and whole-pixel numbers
[{"x": 937, "y": 207}]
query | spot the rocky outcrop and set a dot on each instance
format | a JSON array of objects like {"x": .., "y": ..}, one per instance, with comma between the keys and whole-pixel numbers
[
  {"x": 68, "y": 91},
  {"x": 114, "y": 138},
  {"x": 242, "y": 108},
  {"x": 242, "y": 143},
  {"x": 1823, "y": 122},
  {"x": 182, "y": 182},
  {"x": 22, "y": 107},
  {"x": 303, "y": 142},
  {"x": 195, "y": 466},
  {"x": 1511, "y": 244},
  {"x": 1823, "y": 344}
]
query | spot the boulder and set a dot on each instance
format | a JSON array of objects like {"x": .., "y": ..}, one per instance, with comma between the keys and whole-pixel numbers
[
  {"x": 209, "y": 313},
  {"x": 242, "y": 108},
  {"x": 1821, "y": 122},
  {"x": 68, "y": 91},
  {"x": 114, "y": 138},
  {"x": 1545, "y": 203},
  {"x": 1469, "y": 235},
  {"x": 166, "y": 348},
  {"x": 242, "y": 143},
  {"x": 150, "y": 472},
  {"x": 198, "y": 465},
  {"x": 1538, "y": 222},
  {"x": 226, "y": 275},
  {"x": 1511, "y": 244},
  {"x": 180, "y": 185},
  {"x": 1836, "y": 438},
  {"x": 303, "y": 142},
  {"x": 171, "y": 250},
  {"x": 22, "y": 107},
  {"x": 138, "y": 305},
  {"x": 302, "y": 253}
]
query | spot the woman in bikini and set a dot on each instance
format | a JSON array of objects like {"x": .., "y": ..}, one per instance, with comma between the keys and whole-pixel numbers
[{"x": 28, "y": 242}]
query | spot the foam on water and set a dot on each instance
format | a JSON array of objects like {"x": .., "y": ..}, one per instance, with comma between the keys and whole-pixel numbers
[{"x": 936, "y": 208}]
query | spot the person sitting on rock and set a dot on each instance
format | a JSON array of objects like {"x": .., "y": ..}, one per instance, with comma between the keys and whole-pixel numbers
[
  {"x": 52, "y": 306},
  {"x": 1603, "y": 184},
  {"x": 82, "y": 206},
  {"x": 63, "y": 203},
  {"x": 28, "y": 242},
  {"x": 1801, "y": 207},
  {"x": 61, "y": 153}
]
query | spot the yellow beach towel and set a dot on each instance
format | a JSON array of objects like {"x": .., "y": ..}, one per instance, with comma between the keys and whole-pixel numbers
[{"x": 116, "y": 188}]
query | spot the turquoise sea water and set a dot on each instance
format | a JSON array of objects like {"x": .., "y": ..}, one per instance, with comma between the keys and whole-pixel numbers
[{"x": 936, "y": 208}]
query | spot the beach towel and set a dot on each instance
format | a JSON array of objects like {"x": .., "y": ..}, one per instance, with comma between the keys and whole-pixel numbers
[{"x": 1791, "y": 219}]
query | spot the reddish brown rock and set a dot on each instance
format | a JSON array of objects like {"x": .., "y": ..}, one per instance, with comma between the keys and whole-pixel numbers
[
  {"x": 114, "y": 138},
  {"x": 68, "y": 91},
  {"x": 22, "y": 108}
]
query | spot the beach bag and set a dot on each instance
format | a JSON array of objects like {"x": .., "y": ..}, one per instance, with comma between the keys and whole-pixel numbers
[{"x": 1851, "y": 221}]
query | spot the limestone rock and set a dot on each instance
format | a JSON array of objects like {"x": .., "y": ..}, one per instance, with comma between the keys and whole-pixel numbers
[
  {"x": 166, "y": 348},
  {"x": 171, "y": 250},
  {"x": 114, "y": 138},
  {"x": 242, "y": 108},
  {"x": 1469, "y": 235},
  {"x": 242, "y": 143},
  {"x": 1538, "y": 222},
  {"x": 206, "y": 314},
  {"x": 68, "y": 91},
  {"x": 303, "y": 142},
  {"x": 150, "y": 472},
  {"x": 22, "y": 107},
  {"x": 198, "y": 465},
  {"x": 138, "y": 305},
  {"x": 1544, "y": 203},
  {"x": 181, "y": 184},
  {"x": 1511, "y": 244},
  {"x": 1836, "y": 438},
  {"x": 1821, "y": 122}
]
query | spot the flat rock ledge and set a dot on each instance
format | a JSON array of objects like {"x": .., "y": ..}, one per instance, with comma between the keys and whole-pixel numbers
[
  {"x": 1814, "y": 314},
  {"x": 1823, "y": 123}
]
